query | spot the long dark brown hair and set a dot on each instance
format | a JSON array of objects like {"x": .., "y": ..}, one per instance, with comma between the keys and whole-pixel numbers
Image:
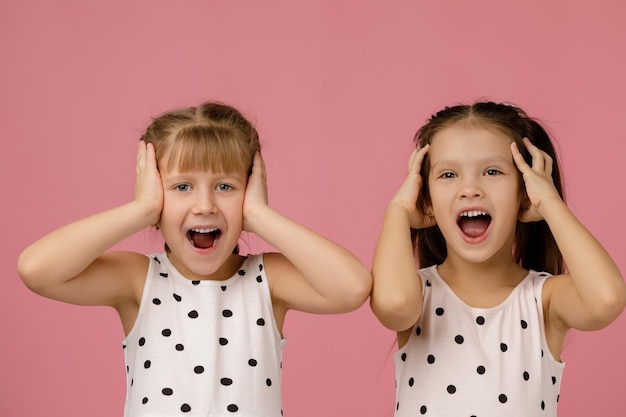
[{"x": 534, "y": 246}]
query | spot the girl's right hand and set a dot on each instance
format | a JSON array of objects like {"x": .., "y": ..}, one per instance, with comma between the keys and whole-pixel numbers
[
  {"x": 407, "y": 195},
  {"x": 148, "y": 185}
]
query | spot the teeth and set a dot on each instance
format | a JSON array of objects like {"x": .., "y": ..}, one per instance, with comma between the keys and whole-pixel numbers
[
  {"x": 473, "y": 213},
  {"x": 203, "y": 230}
]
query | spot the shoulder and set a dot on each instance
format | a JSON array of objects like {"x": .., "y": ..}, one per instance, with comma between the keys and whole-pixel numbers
[
  {"x": 428, "y": 275},
  {"x": 131, "y": 267},
  {"x": 276, "y": 265},
  {"x": 549, "y": 283},
  {"x": 428, "y": 272},
  {"x": 136, "y": 264}
]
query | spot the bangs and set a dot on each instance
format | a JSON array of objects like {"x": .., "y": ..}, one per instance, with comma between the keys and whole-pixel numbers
[{"x": 208, "y": 148}]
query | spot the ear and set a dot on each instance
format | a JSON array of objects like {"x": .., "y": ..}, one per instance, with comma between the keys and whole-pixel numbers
[
  {"x": 524, "y": 205},
  {"x": 427, "y": 208}
]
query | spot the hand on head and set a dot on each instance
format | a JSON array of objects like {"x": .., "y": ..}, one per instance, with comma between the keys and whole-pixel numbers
[
  {"x": 148, "y": 186},
  {"x": 537, "y": 180},
  {"x": 256, "y": 192},
  {"x": 410, "y": 190}
]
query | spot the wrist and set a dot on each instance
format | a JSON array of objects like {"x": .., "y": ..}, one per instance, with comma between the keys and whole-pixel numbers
[
  {"x": 148, "y": 213},
  {"x": 254, "y": 217},
  {"x": 552, "y": 207},
  {"x": 397, "y": 208}
]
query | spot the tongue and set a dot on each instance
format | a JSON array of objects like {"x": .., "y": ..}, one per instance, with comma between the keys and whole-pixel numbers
[
  {"x": 202, "y": 240},
  {"x": 474, "y": 226}
]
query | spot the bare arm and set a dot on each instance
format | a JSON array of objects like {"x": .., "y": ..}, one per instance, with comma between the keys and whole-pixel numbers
[
  {"x": 311, "y": 273},
  {"x": 397, "y": 291},
  {"x": 70, "y": 263},
  {"x": 593, "y": 293}
]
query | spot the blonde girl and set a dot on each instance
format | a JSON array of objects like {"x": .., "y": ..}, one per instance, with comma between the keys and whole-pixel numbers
[{"x": 203, "y": 324}]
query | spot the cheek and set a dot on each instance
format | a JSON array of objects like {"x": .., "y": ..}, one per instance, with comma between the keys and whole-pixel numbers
[
  {"x": 436, "y": 196},
  {"x": 234, "y": 209},
  {"x": 174, "y": 209},
  {"x": 170, "y": 205}
]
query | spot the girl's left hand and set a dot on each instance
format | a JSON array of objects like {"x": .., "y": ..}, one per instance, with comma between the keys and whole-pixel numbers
[
  {"x": 537, "y": 180},
  {"x": 256, "y": 192}
]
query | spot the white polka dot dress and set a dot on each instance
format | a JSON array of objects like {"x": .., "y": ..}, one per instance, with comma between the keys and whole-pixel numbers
[
  {"x": 204, "y": 348},
  {"x": 465, "y": 361}
]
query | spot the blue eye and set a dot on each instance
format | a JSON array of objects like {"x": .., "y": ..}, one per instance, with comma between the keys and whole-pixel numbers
[
  {"x": 224, "y": 187},
  {"x": 183, "y": 187}
]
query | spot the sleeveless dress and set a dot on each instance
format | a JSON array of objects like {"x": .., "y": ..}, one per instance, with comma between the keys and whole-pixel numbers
[
  {"x": 204, "y": 348},
  {"x": 482, "y": 362}
]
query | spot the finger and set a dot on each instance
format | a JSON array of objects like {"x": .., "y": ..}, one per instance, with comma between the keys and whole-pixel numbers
[
  {"x": 412, "y": 159},
  {"x": 538, "y": 163},
  {"x": 151, "y": 161},
  {"x": 417, "y": 158},
  {"x": 518, "y": 158},
  {"x": 549, "y": 164},
  {"x": 141, "y": 155},
  {"x": 258, "y": 165}
]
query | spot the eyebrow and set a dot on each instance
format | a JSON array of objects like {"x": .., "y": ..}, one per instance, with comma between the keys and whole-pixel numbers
[
  {"x": 485, "y": 161},
  {"x": 186, "y": 176}
]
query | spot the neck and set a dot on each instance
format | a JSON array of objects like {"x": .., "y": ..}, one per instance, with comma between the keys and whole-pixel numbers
[
  {"x": 501, "y": 271},
  {"x": 482, "y": 285}
]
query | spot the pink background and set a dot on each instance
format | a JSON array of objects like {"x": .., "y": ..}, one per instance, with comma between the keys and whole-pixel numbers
[{"x": 337, "y": 89}]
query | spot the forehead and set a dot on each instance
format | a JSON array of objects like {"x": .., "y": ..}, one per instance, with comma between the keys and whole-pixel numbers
[
  {"x": 173, "y": 176},
  {"x": 176, "y": 167},
  {"x": 199, "y": 156},
  {"x": 469, "y": 142}
]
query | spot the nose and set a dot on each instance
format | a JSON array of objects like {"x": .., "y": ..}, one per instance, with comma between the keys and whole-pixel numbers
[
  {"x": 204, "y": 203},
  {"x": 470, "y": 188}
]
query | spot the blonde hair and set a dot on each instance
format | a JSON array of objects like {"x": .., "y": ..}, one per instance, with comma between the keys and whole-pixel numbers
[{"x": 212, "y": 136}]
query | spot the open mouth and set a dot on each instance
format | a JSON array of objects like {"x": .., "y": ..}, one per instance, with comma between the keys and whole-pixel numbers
[
  {"x": 474, "y": 223},
  {"x": 204, "y": 238}
]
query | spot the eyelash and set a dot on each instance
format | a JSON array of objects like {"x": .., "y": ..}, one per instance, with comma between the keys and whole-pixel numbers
[
  {"x": 493, "y": 171},
  {"x": 450, "y": 175},
  {"x": 219, "y": 187}
]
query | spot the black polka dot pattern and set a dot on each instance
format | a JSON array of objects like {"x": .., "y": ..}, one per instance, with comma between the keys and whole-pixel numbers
[
  {"x": 480, "y": 361},
  {"x": 195, "y": 335}
]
